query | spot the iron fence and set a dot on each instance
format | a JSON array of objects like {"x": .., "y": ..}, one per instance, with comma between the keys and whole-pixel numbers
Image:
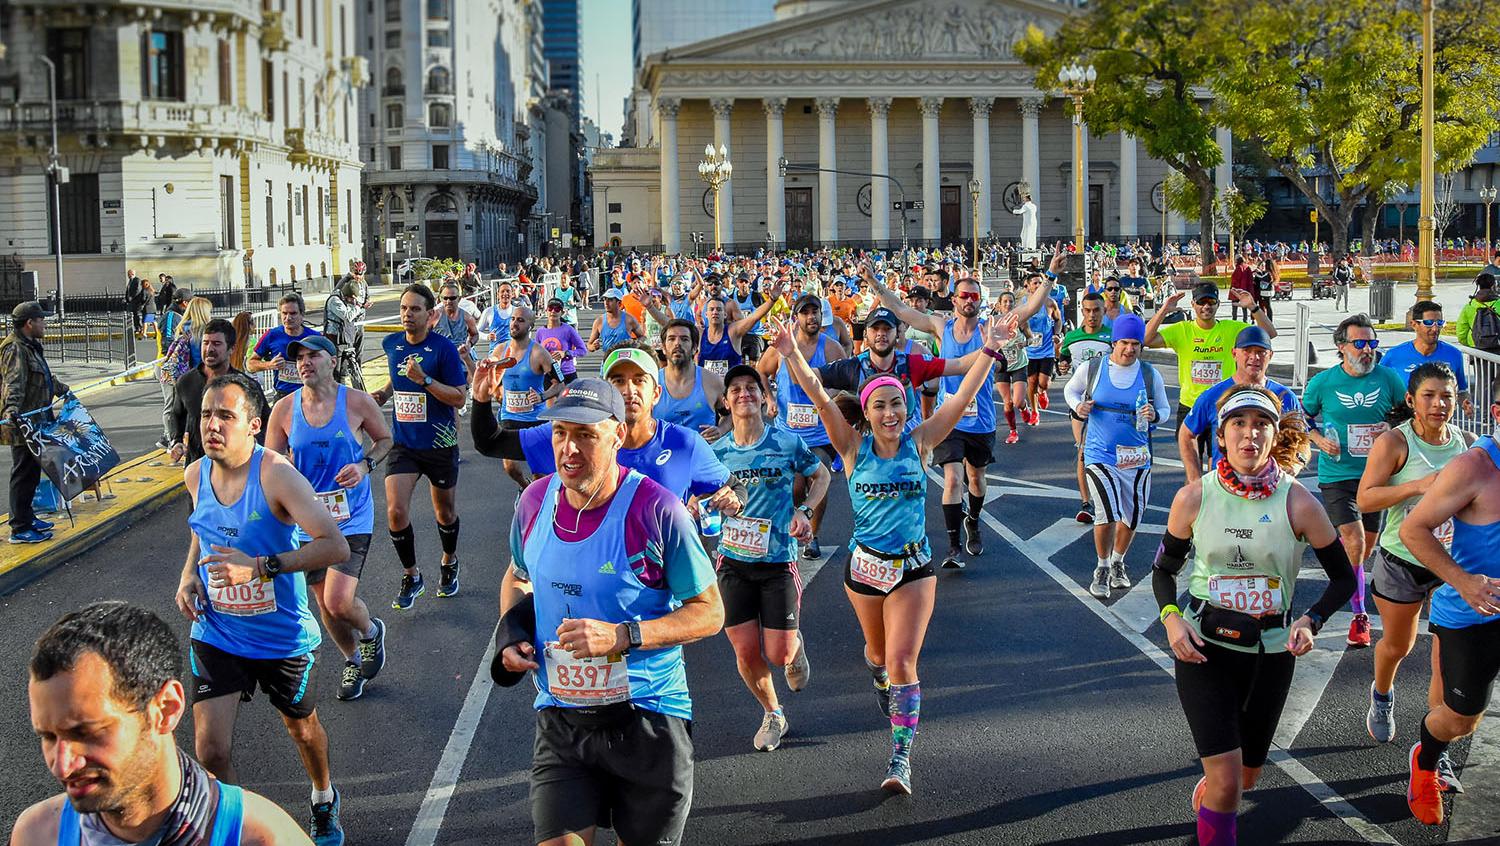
[{"x": 91, "y": 338}]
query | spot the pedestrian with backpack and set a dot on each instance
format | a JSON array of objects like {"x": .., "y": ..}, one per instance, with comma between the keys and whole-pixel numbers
[{"x": 1479, "y": 322}]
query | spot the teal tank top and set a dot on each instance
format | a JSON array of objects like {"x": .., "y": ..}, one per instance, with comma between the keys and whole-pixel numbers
[{"x": 889, "y": 499}]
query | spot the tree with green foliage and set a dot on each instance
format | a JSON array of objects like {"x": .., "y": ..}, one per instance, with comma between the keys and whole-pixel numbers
[
  {"x": 436, "y": 270},
  {"x": 1155, "y": 59}
]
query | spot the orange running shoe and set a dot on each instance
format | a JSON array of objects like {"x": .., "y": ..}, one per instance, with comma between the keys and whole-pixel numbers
[{"x": 1423, "y": 794}]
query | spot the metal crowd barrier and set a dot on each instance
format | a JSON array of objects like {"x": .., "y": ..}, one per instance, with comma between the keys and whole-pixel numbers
[{"x": 1482, "y": 368}]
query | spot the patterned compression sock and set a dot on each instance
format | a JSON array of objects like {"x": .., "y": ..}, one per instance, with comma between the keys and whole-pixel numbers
[
  {"x": 953, "y": 518},
  {"x": 1357, "y": 602},
  {"x": 906, "y": 709},
  {"x": 877, "y": 671},
  {"x": 405, "y": 541},
  {"x": 1216, "y": 828}
]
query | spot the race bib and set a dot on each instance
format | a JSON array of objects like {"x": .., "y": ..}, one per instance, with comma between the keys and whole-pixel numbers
[
  {"x": 287, "y": 372},
  {"x": 586, "y": 681},
  {"x": 801, "y": 415},
  {"x": 337, "y": 503},
  {"x": 717, "y": 365},
  {"x": 1362, "y": 436},
  {"x": 1443, "y": 533},
  {"x": 411, "y": 407},
  {"x": 1253, "y": 595},
  {"x": 519, "y": 402},
  {"x": 247, "y": 600},
  {"x": 972, "y": 409},
  {"x": 747, "y": 537},
  {"x": 1207, "y": 373},
  {"x": 1131, "y": 457},
  {"x": 874, "y": 571}
]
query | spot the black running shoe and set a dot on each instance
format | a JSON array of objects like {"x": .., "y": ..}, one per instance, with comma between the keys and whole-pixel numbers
[
  {"x": 351, "y": 683},
  {"x": 324, "y": 827},
  {"x": 372, "y": 651},
  {"x": 812, "y": 552},
  {"x": 973, "y": 543},
  {"x": 411, "y": 588},
  {"x": 448, "y": 581},
  {"x": 1085, "y": 513},
  {"x": 953, "y": 561}
]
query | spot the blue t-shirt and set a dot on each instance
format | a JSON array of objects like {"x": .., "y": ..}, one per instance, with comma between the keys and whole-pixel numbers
[
  {"x": 1404, "y": 358},
  {"x": 677, "y": 458},
  {"x": 1204, "y": 415},
  {"x": 274, "y": 343},
  {"x": 419, "y": 421},
  {"x": 767, "y": 468}
]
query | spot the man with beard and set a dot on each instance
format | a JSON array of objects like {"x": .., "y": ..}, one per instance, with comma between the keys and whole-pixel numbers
[
  {"x": 521, "y": 373},
  {"x": 1351, "y": 400},
  {"x": 723, "y": 339},
  {"x": 690, "y": 393},
  {"x": 187, "y": 394},
  {"x": 105, "y": 703}
]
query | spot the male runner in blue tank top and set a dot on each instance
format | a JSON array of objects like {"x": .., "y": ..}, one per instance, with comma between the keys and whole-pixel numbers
[
  {"x": 106, "y": 700},
  {"x": 690, "y": 393},
  {"x": 320, "y": 427},
  {"x": 972, "y": 441},
  {"x": 458, "y": 326},
  {"x": 523, "y": 375},
  {"x": 607, "y": 581},
  {"x": 243, "y": 586},
  {"x": 1465, "y": 609},
  {"x": 615, "y": 326}
]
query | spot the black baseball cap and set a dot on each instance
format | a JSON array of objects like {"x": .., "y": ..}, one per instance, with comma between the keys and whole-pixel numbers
[
  {"x": 883, "y": 315},
  {"x": 807, "y": 300},
  {"x": 587, "y": 401},
  {"x": 739, "y": 370},
  {"x": 1205, "y": 291}
]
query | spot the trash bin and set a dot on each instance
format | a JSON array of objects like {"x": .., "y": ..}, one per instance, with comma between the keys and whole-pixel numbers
[{"x": 1382, "y": 299}]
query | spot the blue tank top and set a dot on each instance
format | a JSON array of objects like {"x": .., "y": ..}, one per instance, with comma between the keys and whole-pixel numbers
[
  {"x": 612, "y": 592},
  {"x": 692, "y": 412},
  {"x": 454, "y": 329},
  {"x": 1043, "y": 326},
  {"x": 1111, "y": 437},
  {"x": 229, "y": 820},
  {"x": 983, "y": 418},
  {"x": 747, "y": 306},
  {"x": 498, "y": 321},
  {"x": 889, "y": 500},
  {"x": 719, "y": 355},
  {"x": 1474, "y": 550},
  {"x": 319, "y": 454},
  {"x": 516, "y": 385},
  {"x": 798, "y": 415},
  {"x": 612, "y": 335},
  {"x": 262, "y": 619}
]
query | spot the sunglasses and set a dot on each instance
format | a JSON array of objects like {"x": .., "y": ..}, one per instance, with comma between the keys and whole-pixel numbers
[
  {"x": 1115, "y": 288},
  {"x": 449, "y": 299},
  {"x": 969, "y": 295},
  {"x": 1431, "y": 322},
  {"x": 1207, "y": 302},
  {"x": 1364, "y": 343},
  {"x": 554, "y": 308}
]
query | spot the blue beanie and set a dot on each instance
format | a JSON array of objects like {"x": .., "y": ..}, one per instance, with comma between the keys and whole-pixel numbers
[{"x": 1129, "y": 327}]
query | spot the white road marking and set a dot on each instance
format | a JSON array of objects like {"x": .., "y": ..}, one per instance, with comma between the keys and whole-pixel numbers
[{"x": 1476, "y": 816}]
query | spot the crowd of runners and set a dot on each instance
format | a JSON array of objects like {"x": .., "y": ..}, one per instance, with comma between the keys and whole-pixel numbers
[{"x": 672, "y": 493}]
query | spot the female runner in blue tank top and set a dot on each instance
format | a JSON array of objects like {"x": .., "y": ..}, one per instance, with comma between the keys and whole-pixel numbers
[{"x": 888, "y": 577}]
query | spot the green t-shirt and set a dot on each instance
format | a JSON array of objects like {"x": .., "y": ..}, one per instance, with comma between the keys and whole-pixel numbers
[
  {"x": 1351, "y": 410},
  {"x": 1086, "y": 346},
  {"x": 1204, "y": 358}
]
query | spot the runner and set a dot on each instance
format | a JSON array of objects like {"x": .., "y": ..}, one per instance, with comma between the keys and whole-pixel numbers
[
  {"x": 522, "y": 368},
  {"x": 795, "y": 413},
  {"x": 1046, "y": 327},
  {"x": 919, "y": 298},
  {"x": 1352, "y": 400},
  {"x": 722, "y": 341},
  {"x": 613, "y": 327},
  {"x": 427, "y": 384},
  {"x": 459, "y": 327},
  {"x": 561, "y": 341},
  {"x": 270, "y": 350},
  {"x": 613, "y": 743},
  {"x": 1252, "y": 357},
  {"x": 1402, "y": 466},
  {"x": 244, "y": 588},
  {"x": 1120, "y": 400},
  {"x": 494, "y": 324},
  {"x": 568, "y": 296},
  {"x": 889, "y": 575},
  {"x": 748, "y": 301},
  {"x": 690, "y": 393},
  {"x": 319, "y": 427},
  {"x": 757, "y": 556},
  {"x": 1013, "y": 375},
  {"x": 1088, "y": 341},
  {"x": 117, "y": 665},
  {"x": 1465, "y": 608},
  {"x": 1235, "y": 646},
  {"x": 1427, "y": 322}
]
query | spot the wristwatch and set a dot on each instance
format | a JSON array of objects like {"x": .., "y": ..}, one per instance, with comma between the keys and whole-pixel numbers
[
  {"x": 806, "y": 511},
  {"x": 271, "y": 567},
  {"x": 633, "y": 635},
  {"x": 369, "y": 465},
  {"x": 426, "y": 380}
]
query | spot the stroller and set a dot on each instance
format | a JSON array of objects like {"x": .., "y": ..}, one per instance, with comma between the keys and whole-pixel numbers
[
  {"x": 1323, "y": 288},
  {"x": 1283, "y": 290}
]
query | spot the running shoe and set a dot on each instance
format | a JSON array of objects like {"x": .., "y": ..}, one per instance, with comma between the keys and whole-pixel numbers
[
  {"x": 1423, "y": 793},
  {"x": 1099, "y": 587},
  {"x": 1041, "y": 400},
  {"x": 1033, "y": 417},
  {"x": 1447, "y": 778},
  {"x": 1359, "y": 631},
  {"x": 411, "y": 588},
  {"x": 372, "y": 651},
  {"x": 812, "y": 552},
  {"x": 973, "y": 543},
  {"x": 1118, "y": 578},
  {"x": 1085, "y": 513},
  {"x": 898, "y": 776},
  {"x": 772, "y": 730},
  {"x": 1380, "y": 720},
  {"x": 351, "y": 683},
  {"x": 1013, "y": 437},
  {"x": 448, "y": 579},
  {"x": 952, "y": 561},
  {"x": 324, "y": 828},
  {"x": 883, "y": 695},
  {"x": 40, "y": 525},
  {"x": 29, "y": 536},
  {"x": 1198, "y": 789},
  {"x": 800, "y": 670}
]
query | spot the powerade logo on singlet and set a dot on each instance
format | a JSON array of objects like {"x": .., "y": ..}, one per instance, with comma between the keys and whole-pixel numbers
[
  {"x": 1242, "y": 534},
  {"x": 230, "y": 531},
  {"x": 890, "y": 490},
  {"x": 568, "y": 589}
]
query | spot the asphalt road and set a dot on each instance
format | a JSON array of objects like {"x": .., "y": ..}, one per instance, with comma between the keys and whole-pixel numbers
[{"x": 1048, "y": 717}]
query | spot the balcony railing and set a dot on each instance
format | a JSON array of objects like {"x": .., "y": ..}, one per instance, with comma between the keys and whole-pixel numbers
[
  {"x": 393, "y": 91},
  {"x": 439, "y": 88},
  {"x": 148, "y": 117}
]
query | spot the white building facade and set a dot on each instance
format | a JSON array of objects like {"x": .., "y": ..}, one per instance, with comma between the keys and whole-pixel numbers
[{"x": 212, "y": 141}]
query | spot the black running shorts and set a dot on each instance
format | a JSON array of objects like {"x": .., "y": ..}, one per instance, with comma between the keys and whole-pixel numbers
[
  {"x": 769, "y": 592},
  {"x": 353, "y": 566},
  {"x": 975, "y": 448},
  {"x": 439, "y": 465},
  {"x": 1470, "y": 658},
  {"x": 1224, "y": 712},
  {"x": 289, "y": 683}
]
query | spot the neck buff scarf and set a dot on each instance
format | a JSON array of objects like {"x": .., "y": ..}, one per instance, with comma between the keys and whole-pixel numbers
[
  {"x": 189, "y": 821},
  {"x": 1259, "y": 486}
]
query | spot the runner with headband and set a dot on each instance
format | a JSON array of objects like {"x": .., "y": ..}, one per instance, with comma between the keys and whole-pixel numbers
[{"x": 889, "y": 575}]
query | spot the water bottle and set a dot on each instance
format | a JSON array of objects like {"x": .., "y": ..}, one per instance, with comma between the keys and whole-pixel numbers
[
  {"x": 1333, "y": 435},
  {"x": 710, "y": 521},
  {"x": 1142, "y": 403}
]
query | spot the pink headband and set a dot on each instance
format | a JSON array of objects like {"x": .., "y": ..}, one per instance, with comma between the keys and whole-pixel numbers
[{"x": 879, "y": 382}]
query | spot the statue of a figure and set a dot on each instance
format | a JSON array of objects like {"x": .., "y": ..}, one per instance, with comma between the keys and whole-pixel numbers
[{"x": 1027, "y": 211}]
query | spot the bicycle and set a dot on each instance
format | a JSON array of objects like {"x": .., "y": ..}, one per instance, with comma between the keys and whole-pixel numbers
[{"x": 348, "y": 370}]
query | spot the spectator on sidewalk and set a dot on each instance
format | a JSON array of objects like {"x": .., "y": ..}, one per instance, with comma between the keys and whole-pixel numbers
[
  {"x": 216, "y": 341},
  {"x": 26, "y": 384},
  {"x": 134, "y": 294},
  {"x": 1483, "y": 298},
  {"x": 165, "y": 291},
  {"x": 166, "y": 330}
]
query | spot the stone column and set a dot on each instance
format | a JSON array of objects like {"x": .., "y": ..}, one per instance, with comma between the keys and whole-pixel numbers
[
  {"x": 775, "y": 183},
  {"x": 828, "y": 184},
  {"x": 880, "y": 162},
  {"x": 723, "y": 108},
  {"x": 932, "y": 210},
  {"x": 979, "y": 109},
  {"x": 1129, "y": 228},
  {"x": 671, "y": 227},
  {"x": 1224, "y": 173},
  {"x": 1031, "y": 156},
  {"x": 642, "y": 118}
]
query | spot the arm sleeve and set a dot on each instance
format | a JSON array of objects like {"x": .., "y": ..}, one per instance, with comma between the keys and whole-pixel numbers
[
  {"x": 489, "y": 438},
  {"x": 923, "y": 368},
  {"x": 177, "y": 413},
  {"x": 1077, "y": 383},
  {"x": 708, "y": 473},
  {"x": 1163, "y": 407},
  {"x": 1341, "y": 584},
  {"x": 838, "y": 375}
]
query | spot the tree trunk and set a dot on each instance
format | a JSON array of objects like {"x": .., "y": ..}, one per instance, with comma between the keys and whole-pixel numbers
[
  {"x": 1367, "y": 231},
  {"x": 1338, "y": 230},
  {"x": 1210, "y": 246}
]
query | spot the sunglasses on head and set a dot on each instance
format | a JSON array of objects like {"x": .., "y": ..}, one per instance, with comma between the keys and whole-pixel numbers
[
  {"x": 1438, "y": 321},
  {"x": 967, "y": 295},
  {"x": 1364, "y": 343}
]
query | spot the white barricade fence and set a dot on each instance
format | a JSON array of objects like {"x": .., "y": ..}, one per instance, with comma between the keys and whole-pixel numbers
[
  {"x": 1482, "y": 369},
  {"x": 550, "y": 283},
  {"x": 1302, "y": 357}
]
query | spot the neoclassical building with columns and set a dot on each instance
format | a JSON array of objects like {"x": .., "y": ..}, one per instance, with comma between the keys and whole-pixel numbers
[{"x": 928, "y": 92}]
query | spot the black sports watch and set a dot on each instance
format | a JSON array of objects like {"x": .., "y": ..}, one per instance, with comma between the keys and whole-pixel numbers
[
  {"x": 272, "y": 566},
  {"x": 806, "y": 510},
  {"x": 633, "y": 634}
]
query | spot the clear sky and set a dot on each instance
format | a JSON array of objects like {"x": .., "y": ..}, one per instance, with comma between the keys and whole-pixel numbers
[{"x": 606, "y": 61}]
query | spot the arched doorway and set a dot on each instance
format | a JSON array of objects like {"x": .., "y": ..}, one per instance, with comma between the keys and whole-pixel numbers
[{"x": 441, "y": 220}]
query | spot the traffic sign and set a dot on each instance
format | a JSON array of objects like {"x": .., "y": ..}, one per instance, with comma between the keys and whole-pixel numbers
[
  {"x": 910, "y": 204},
  {"x": 1312, "y": 216},
  {"x": 556, "y": 232}
]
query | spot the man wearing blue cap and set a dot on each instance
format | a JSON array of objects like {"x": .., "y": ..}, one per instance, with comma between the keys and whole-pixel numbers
[
  {"x": 1252, "y": 358},
  {"x": 1119, "y": 399},
  {"x": 881, "y": 358}
]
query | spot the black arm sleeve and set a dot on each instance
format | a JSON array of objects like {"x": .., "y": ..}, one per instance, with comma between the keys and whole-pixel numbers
[
  {"x": 489, "y": 438},
  {"x": 177, "y": 414},
  {"x": 1341, "y": 583},
  {"x": 1171, "y": 556},
  {"x": 518, "y": 625},
  {"x": 740, "y": 493}
]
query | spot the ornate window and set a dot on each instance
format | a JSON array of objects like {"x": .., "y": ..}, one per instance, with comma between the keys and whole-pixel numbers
[{"x": 439, "y": 81}]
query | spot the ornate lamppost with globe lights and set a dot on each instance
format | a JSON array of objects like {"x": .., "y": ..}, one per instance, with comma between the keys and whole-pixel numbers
[
  {"x": 715, "y": 169},
  {"x": 1487, "y": 196},
  {"x": 1077, "y": 82}
]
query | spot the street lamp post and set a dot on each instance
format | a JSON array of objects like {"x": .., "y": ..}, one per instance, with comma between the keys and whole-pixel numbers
[
  {"x": 57, "y": 174},
  {"x": 715, "y": 169},
  {"x": 1230, "y": 193},
  {"x": 1427, "y": 222},
  {"x": 974, "y": 188},
  {"x": 1077, "y": 82},
  {"x": 1487, "y": 196}
]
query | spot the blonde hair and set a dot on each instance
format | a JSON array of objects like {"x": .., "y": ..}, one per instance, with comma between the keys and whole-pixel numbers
[{"x": 199, "y": 311}]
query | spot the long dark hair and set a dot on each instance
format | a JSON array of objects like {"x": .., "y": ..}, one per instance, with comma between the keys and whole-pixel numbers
[{"x": 1402, "y": 411}]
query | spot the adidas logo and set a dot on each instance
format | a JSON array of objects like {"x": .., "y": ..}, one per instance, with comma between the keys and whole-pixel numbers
[
  {"x": 608, "y": 569},
  {"x": 254, "y": 515},
  {"x": 1265, "y": 518},
  {"x": 339, "y": 433}
]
